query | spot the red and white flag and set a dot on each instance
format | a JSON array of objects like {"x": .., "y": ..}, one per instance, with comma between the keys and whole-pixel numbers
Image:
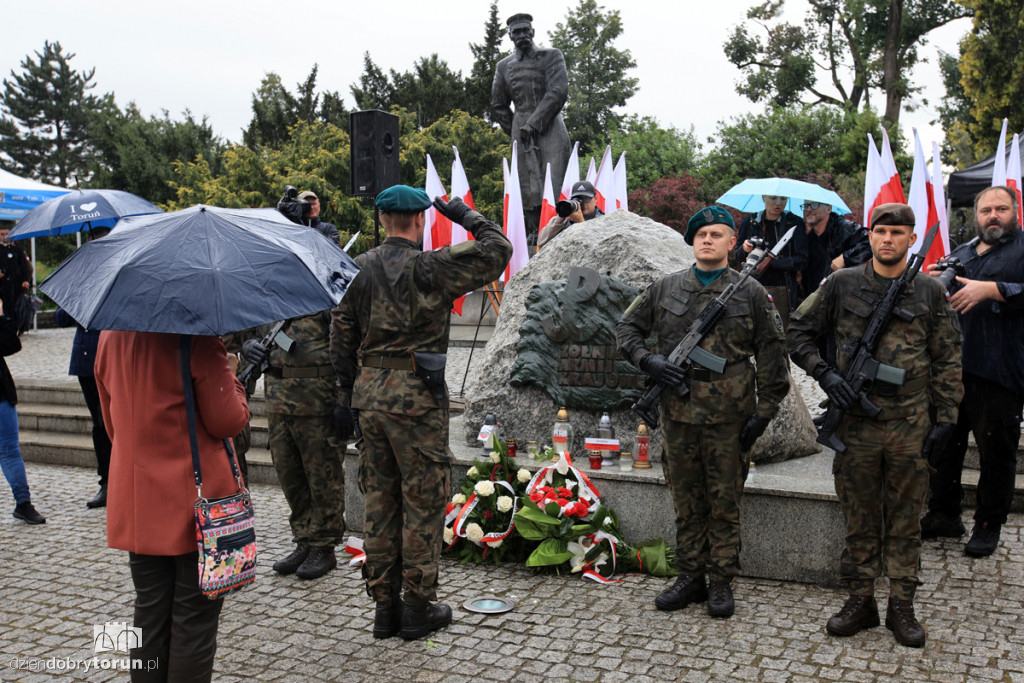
[
  {"x": 893, "y": 175},
  {"x": 999, "y": 165},
  {"x": 1013, "y": 178},
  {"x": 605, "y": 183},
  {"x": 621, "y": 192},
  {"x": 572, "y": 173},
  {"x": 515, "y": 222},
  {"x": 547, "y": 204},
  {"x": 940, "y": 197},
  {"x": 922, "y": 201},
  {"x": 460, "y": 188},
  {"x": 877, "y": 189},
  {"x": 592, "y": 172},
  {"x": 438, "y": 231}
]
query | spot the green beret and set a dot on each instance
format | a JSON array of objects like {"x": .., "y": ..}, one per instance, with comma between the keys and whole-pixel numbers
[
  {"x": 403, "y": 199},
  {"x": 892, "y": 214},
  {"x": 708, "y": 216}
]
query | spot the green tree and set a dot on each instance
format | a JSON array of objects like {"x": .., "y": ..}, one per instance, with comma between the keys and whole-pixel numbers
[
  {"x": 431, "y": 90},
  {"x": 275, "y": 110},
  {"x": 955, "y": 115},
  {"x": 598, "y": 80},
  {"x": 859, "y": 45},
  {"x": 653, "y": 152},
  {"x": 374, "y": 90},
  {"x": 992, "y": 70},
  {"x": 136, "y": 154},
  {"x": 45, "y": 116},
  {"x": 792, "y": 144},
  {"x": 486, "y": 56}
]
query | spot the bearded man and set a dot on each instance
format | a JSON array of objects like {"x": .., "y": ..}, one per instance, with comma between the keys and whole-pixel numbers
[{"x": 990, "y": 304}]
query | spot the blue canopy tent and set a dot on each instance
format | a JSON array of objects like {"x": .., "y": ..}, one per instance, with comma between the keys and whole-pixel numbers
[{"x": 20, "y": 195}]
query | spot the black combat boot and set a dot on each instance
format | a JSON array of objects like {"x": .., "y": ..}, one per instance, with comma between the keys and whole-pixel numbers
[
  {"x": 984, "y": 539},
  {"x": 387, "y": 620},
  {"x": 319, "y": 562},
  {"x": 294, "y": 560},
  {"x": 99, "y": 500},
  {"x": 27, "y": 513},
  {"x": 900, "y": 619},
  {"x": 720, "y": 602},
  {"x": 859, "y": 612},
  {"x": 420, "y": 620},
  {"x": 684, "y": 591},
  {"x": 941, "y": 525}
]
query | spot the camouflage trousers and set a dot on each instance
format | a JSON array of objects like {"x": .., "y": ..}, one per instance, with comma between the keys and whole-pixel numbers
[
  {"x": 405, "y": 475},
  {"x": 882, "y": 481},
  {"x": 705, "y": 471},
  {"x": 311, "y": 468}
]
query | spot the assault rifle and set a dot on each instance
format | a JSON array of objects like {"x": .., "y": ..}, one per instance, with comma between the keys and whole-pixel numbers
[
  {"x": 863, "y": 370},
  {"x": 276, "y": 336},
  {"x": 688, "y": 351}
]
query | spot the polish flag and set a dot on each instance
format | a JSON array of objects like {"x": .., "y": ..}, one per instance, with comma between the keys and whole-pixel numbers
[
  {"x": 876, "y": 185},
  {"x": 940, "y": 197},
  {"x": 1013, "y": 178},
  {"x": 999, "y": 167},
  {"x": 460, "y": 188},
  {"x": 893, "y": 176},
  {"x": 572, "y": 174},
  {"x": 592, "y": 172},
  {"x": 621, "y": 192},
  {"x": 515, "y": 222},
  {"x": 438, "y": 231},
  {"x": 605, "y": 183},
  {"x": 922, "y": 201},
  {"x": 547, "y": 205}
]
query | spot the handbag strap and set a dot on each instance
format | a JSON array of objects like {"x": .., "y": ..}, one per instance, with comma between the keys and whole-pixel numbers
[{"x": 190, "y": 412}]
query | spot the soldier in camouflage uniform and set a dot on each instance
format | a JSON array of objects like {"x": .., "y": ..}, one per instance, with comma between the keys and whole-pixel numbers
[
  {"x": 882, "y": 477},
  {"x": 399, "y": 304},
  {"x": 708, "y": 435},
  {"x": 300, "y": 389}
]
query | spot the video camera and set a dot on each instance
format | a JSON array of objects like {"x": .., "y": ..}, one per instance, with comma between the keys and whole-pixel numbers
[
  {"x": 291, "y": 207},
  {"x": 567, "y": 207},
  {"x": 951, "y": 268}
]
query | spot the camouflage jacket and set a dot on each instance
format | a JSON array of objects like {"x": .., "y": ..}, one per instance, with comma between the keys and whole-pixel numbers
[
  {"x": 401, "y": 302},
  {"x": 927, "y": 347},
  {"x": 301, "y": 396},
  {"x": 751, "y": 327}
]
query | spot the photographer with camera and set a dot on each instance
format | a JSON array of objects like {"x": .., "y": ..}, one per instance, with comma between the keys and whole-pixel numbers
[
  {"x": 581, "y": 206},
  {"x": 304, "y": 208}
]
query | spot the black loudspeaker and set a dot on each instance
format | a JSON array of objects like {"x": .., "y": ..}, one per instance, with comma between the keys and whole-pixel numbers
[{"x": 374, "y": 136}]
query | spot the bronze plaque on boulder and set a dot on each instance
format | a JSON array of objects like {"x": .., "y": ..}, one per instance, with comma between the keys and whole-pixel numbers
[{"x": 567, "y": 342}]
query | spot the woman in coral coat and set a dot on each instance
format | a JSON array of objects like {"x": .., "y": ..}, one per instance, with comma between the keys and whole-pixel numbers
[{"x": 151, "y": 492}]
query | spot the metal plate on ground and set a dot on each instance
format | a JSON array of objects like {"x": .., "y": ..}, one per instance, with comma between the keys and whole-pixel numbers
[{"x": 488, "y": 604}]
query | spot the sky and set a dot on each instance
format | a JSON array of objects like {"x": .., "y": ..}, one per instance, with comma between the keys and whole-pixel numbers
[{"x": 209, "y": 57}]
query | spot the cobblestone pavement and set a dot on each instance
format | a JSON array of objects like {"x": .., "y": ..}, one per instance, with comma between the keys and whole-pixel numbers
[{"x": 60, "y": 579}]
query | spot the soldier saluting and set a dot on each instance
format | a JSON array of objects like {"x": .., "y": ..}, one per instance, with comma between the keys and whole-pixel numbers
[
  {"x": 881, "y": 475},
  {"x": 709, "y": 433}
]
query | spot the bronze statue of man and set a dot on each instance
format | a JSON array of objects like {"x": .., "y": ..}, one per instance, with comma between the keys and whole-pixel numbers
[{"x": 534, "y": 79}]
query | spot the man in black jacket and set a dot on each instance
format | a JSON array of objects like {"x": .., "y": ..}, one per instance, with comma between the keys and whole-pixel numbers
[
  {"x": 782, "y": 277},
  {"x": 990, "y": 301},
  {"x": 833, "y": 243},
  {"x": 311, "y": 217}
]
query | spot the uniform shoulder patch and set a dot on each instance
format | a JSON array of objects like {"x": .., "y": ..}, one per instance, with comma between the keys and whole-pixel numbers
[
  {"x": 462, "y": 248},
  {"x": 778, "y": 320}
]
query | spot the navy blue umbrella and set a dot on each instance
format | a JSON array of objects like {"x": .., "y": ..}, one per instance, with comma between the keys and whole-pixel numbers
[
  {"x": 202, "y": 270},
  {"x": 80, "y": 210}
]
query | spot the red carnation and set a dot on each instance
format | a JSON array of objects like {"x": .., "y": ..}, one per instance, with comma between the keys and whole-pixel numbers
[
  {"x": 536, "y": 496},
  {"x": 488, "y": 514}
]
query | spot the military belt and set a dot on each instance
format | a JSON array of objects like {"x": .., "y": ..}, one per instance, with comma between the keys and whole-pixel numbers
[
  {"x": 911, "y": 386},
  {"x": 731, "y": 370},
  {"x": 301, "y": 373},
  {"x": 389, "y": 363}
]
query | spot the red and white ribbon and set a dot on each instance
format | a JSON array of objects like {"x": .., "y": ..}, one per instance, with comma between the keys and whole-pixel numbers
[
  {"x": 462, "y": 517},
  {"x": 354, "y": 547}
]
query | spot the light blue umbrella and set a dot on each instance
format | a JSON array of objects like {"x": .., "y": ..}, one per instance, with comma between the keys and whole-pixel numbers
[
  {"x": 81, "y": 210},
  {"x": 747, "y": 195}
]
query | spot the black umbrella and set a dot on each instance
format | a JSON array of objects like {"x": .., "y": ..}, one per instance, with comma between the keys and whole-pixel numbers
[
  {"x": 202, "y": 270},
  {"x": 80, "y": 210}
]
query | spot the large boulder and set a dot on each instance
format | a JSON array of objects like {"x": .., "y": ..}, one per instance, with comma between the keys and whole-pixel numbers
[{"x": 550, "y": 345}]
